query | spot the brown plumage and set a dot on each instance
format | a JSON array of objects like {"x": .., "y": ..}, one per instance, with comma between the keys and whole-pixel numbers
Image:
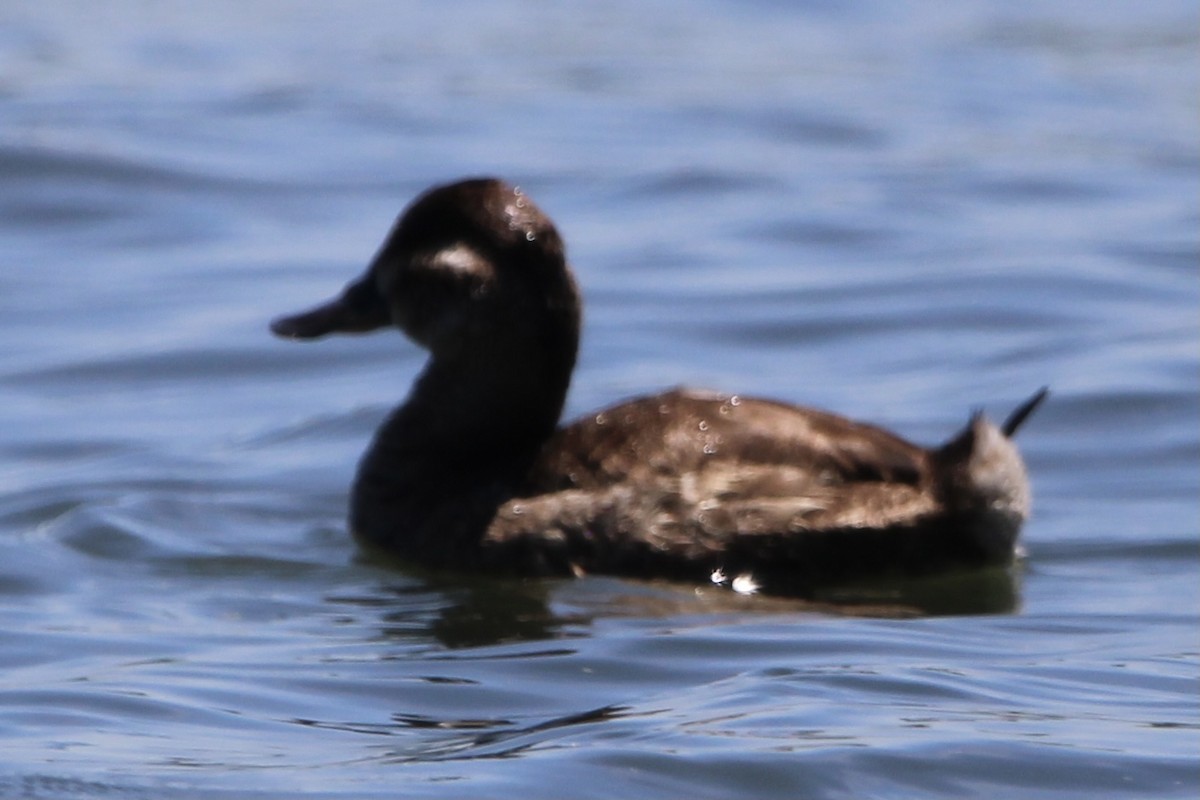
[{"x": 472, "y": 472}]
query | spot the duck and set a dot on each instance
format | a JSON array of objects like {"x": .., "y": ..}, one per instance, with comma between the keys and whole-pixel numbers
[{"x": 473, "y": 471}]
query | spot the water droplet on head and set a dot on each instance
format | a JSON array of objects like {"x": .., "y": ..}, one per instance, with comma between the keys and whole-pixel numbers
[
  {"x": 703, "y": 425},
  {"x": 530, "y": 236},
  {"x": 735, "y": 400}
]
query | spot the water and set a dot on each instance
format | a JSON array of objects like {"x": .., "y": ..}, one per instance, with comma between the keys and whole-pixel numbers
[{"x": 898, "y": 212}]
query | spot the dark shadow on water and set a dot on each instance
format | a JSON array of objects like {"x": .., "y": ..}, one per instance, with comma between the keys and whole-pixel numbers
[
  {"x": 464, "y": 611},
  {"x": 969, "y": 592},
  {"x": 492, "y": 611}
]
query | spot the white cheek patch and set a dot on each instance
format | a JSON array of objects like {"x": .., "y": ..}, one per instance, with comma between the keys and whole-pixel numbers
[{"x": 463, "y": 259}]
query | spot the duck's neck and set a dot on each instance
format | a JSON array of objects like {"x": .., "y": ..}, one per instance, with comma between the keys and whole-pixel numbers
[
  {"x": 489, "y": 404},
  {"x": 464, "y": 437}
]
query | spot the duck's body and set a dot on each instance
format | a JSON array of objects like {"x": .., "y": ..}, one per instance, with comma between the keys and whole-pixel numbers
[{"x": 473, "y": 472}]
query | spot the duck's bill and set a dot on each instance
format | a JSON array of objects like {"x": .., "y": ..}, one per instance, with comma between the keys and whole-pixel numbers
[{"x": 359, "y": 309}]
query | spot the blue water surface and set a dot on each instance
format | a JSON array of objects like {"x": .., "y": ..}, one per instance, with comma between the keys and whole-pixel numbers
[{"x": 900, "y": 212}]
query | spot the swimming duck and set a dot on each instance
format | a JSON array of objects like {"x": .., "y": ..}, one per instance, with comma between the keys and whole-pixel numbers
[{"x": 472, "y": 471}]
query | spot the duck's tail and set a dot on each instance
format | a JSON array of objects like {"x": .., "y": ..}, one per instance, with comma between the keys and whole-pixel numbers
[
  {"x": 983, "y": 480},
  {"x": 1022, "y": 412}
]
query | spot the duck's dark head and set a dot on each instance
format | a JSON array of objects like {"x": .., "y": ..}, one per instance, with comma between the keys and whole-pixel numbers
[{"x": 468, "y": 265}]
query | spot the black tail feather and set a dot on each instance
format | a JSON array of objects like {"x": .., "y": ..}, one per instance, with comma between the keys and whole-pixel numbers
[{"x": 1022, "y": 412}]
